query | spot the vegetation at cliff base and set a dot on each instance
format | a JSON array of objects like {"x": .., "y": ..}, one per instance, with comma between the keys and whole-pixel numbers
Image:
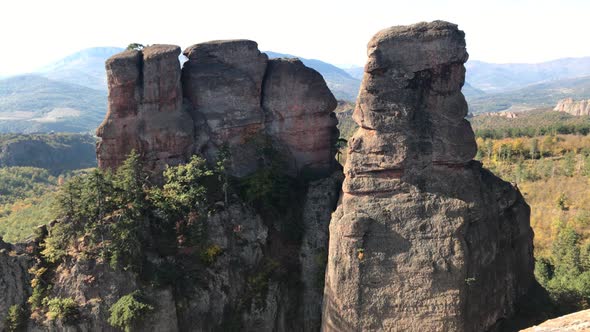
[
  {"x": 16, "y": 319},
  {"x": 553, "y": 174},
  {"x": 128, "y": 311},
  {"x": 64, "y": 309}
]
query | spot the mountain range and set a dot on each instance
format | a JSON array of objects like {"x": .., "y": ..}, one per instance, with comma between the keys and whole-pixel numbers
[
  {"x": 70, "y": 94},
  {"x": 84, "y": 68}
]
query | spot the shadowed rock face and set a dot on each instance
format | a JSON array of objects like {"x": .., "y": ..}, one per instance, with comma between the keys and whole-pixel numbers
[
  {"x": 309, "y": 105},
  {"x": 227, "y": 94},
  {"x": 15, "y": 281},
  {"x": 423, "y": 239}
]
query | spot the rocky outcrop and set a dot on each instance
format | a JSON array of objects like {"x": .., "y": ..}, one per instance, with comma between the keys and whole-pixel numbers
[
  {"x": 424, "y": 238},
  {"x": 573, "y": 107},
  {"x": 576, "y": 322},
  {"x": 15, "y": 286},
  {"x": 504, "y": 114},
  {"x": 145, "y": 110},
  {"x": 228, "y": 94},
  {"x": 309, "y": 105},
  {"x": 223, "y": 82}
]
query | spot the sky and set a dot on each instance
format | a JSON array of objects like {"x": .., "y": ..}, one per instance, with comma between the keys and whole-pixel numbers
[{"x": 37, "y": 32}]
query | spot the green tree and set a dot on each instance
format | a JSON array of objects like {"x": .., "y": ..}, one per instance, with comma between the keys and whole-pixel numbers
[
  {"x": 562, "y": 202},
  {"x": 221, "y": 168},
  {"x": 341, "y": 144},
  {"x": 128, "y": 311},
  {"x": 543, "y": 270},
  {"x": 130, "y": 181},
  {"x": 534, "y": 148},
  {"x": 566, "y": 253},
  {"x": 569, "y": 163},
  {"x": 135, "y": 47},
  {"x": 16, "y": 319}
]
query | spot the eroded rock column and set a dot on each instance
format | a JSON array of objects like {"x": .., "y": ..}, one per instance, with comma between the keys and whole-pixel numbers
[
  {"x": 424, "y": 239},
  {"x": 145, "y": 110},
  {"x": 299, "y": 114}
]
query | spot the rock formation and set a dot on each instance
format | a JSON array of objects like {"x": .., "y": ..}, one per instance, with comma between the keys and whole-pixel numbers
[
  {"x": 576, "y": 322},
  {"x": 14, "y": 279},
  {"x": 424, "y": 238},
  {"x": 290, "y": 119},
  {"x": 573, "y": 107},
  {"x": 227, "y": 94},
  {"x": 145, "y": 109}
]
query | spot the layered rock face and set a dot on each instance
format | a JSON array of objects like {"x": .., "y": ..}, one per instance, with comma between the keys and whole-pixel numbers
[
  {"x": 573, "y": 107},
  {"x": 228, "y": 94},
  {"x": 423, "y": 239}
]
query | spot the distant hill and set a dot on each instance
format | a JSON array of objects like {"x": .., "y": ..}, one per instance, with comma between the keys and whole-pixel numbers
[
  {"x": 355, "y": 71},
  {"x": 31, "y": 103},
  {"x": 533, "y": 96},
  {"x": 342, "y": 84},
  {"x": 54, "y": 152},
  {"x": 469, "y": 91},
  {"x": 492, "y": 77},
  {"x": 84, "y": 68},
  {"x": 530, "y": 123}
]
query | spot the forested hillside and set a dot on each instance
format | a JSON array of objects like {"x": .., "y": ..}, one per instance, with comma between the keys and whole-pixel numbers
[
  {"x": 53, "y": 152},
  {"x": 548, "y": 156}
]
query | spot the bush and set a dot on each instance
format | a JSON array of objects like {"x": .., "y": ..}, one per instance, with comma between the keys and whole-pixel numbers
[
  {"x": 64, "y": 309},
  {"x": 128, "y": 311},
  {"x": 210, "y": 254},
  {"x": 16, "y": 319}
]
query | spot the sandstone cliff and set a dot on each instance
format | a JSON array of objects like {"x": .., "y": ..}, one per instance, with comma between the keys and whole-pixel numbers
[
  {"x": 273, "y": 117},
  {"x": 576, "y": 322},
  {"x": 228, "y": 94},
  {"x": 423, "y": 239},
  {"x": 573, "y": 107}
]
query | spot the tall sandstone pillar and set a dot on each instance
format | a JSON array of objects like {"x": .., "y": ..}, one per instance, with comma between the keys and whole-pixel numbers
[{"x": 424, "y": 238}]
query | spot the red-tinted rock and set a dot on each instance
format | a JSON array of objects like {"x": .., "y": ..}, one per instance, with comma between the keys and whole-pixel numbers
[
  {"x": 225, "y": 86},
  {"x": 298, "y": 107},
  {"x": 146, "y": 111}
]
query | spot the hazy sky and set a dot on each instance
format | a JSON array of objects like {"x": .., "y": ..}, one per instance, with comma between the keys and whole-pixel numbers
[{"x": 36, "y": 32}]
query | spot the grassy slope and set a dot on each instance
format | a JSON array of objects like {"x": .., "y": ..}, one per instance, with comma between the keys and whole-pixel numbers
[{"x": 37, "y": 97}]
